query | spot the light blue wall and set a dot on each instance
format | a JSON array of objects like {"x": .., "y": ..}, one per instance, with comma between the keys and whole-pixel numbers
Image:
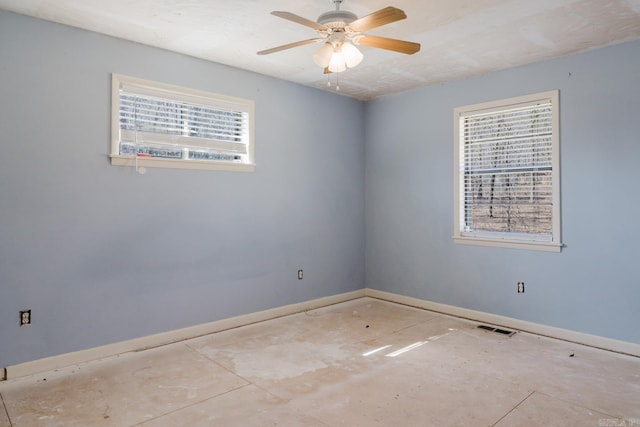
[
  {"x": 102, "y": 254},
  {"x": 593, "y": 286}
]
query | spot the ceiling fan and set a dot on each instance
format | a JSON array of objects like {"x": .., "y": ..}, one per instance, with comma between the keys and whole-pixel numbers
[{"x": 340, "y": 31}]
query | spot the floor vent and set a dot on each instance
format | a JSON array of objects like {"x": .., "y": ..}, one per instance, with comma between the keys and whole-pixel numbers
[{"x": 497, "y": 330}]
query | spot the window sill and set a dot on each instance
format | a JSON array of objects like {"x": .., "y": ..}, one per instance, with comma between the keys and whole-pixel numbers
[
  {"x": 512, "y": 244},
  {"x": 150, "y": 162}
]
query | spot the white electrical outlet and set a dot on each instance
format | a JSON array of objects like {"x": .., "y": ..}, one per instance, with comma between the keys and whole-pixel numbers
[
  {"x": 300, "y": 274},
  {"x": 520, "y": 287},
  {"x": 25, "y": 317}
]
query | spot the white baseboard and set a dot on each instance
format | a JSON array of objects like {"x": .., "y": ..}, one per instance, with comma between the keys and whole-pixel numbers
[
  {"x": 628, "y": 348},
  {"x": 150, "y": 341}
]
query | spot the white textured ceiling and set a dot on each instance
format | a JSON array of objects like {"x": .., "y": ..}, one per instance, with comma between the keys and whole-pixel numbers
[{"x": 460, "y": 38}]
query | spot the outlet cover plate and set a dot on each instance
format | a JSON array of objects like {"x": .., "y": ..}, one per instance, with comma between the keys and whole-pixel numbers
[{"x": 25, "y": 317}]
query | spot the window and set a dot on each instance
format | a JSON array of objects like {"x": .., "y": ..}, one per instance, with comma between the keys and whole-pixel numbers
[
  {"x": 158, "y": 125},
  {"x": 506, "y": 173}
]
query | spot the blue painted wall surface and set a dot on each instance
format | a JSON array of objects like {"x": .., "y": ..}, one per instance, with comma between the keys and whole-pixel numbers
[
  {"x": 593, "y": 286},
  {"x": 102, "y": 254}
]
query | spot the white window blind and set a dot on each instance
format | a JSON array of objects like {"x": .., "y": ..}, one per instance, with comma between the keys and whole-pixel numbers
[
  {"x": 161, "y": 125},
  {"x": 507, "y": 177}
]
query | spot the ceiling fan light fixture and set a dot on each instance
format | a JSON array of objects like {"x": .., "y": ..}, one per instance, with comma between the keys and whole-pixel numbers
[
  {"x": 322, "y": 56},
  {"x": 352, "y": 55},
  {"x": 337, "y": 63}
]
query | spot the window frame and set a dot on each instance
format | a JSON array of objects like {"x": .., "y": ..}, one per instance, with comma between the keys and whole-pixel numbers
[
  {"x": 178, "y": 94},
  {"x": 507, "y": 239}
]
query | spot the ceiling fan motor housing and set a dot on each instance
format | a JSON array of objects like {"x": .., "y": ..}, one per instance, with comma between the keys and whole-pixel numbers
[{"x": 337, "y": 18}]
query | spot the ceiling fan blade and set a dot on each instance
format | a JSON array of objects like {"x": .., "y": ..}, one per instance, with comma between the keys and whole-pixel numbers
[
  {"x": 290, "y": 45},
  {"x": 299, "y": 20},
  {"x": 390, "y": 44},
  {"x": 376, "y": 19}
]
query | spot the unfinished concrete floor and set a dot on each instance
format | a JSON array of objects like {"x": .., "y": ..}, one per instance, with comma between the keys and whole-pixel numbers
[{"x": 359, "y": 363}]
